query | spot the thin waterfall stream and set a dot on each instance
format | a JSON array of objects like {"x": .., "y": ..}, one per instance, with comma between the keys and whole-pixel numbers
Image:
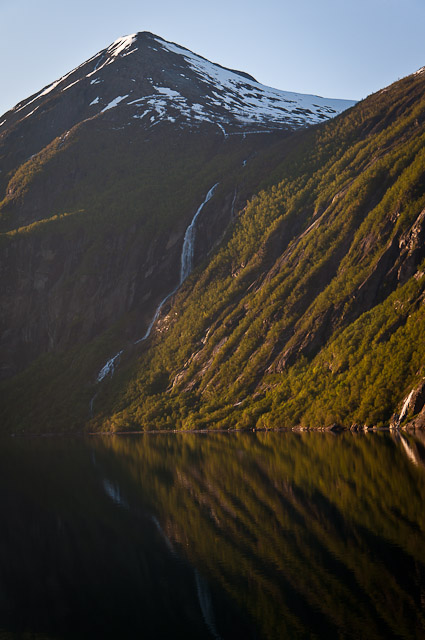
[
  {"x": 186, "y": 266},
  {"x": 186, "y": 260}
]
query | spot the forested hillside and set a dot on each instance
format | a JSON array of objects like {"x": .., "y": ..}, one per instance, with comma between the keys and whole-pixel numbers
[{"x": 311, "y": 312}]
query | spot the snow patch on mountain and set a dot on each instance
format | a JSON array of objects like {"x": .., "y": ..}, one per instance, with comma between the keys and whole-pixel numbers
[
  {"x": 114, "y": 103},
  {"x": 121, "y": 44},
  {"x": 113, "y": 51},
  {"x": 168, "y": 92},
  {"x": 44, "y": 92},
  {"x": 70, "y": 85}
]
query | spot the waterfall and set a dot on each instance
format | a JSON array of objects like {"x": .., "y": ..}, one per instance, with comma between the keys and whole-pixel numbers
[
  {"x": 189, "y": 240},
  {"x": 232, "y": 210},
  {"x": 109, "y": 367},
  {"x": 186, "y": 262},
  {"x": 92, "y": 405},
  {"x": 156, "y": 314},
  {"x": 405, "y": 406}
]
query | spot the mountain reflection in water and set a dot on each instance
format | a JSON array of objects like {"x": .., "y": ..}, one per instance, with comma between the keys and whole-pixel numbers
[{"x": 262, "y": 535}]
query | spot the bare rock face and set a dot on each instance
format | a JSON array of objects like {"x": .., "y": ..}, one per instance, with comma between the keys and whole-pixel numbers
[
  {"x": 413, "y": 406},
  {"x": 417, "y": 402},
  {"x": 55, "y": 297},
  {"x": 418, "y": 422},
  {"x": 411, "y": 249}
]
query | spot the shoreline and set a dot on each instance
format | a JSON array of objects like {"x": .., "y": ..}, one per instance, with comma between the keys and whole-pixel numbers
[{"x": 333, "y": 429}]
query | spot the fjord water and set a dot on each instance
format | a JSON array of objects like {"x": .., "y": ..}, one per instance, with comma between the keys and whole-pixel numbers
[{"x": 259, "y": 535}]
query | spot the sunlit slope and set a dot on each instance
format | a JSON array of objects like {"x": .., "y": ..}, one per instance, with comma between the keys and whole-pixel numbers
[{"x": 312, "y": 310}]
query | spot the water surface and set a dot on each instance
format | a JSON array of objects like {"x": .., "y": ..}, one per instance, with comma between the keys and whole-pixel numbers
[{"x": 262, "y": 535}]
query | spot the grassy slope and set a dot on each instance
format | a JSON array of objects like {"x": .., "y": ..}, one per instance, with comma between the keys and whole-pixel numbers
[{"x": 310, "y": 312}]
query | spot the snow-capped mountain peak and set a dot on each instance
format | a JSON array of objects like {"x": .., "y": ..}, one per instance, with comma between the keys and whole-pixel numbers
[{"x": 147, "y": 81}]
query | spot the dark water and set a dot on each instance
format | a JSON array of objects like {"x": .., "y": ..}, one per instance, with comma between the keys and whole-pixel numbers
[{"x": 213, "y": 536}]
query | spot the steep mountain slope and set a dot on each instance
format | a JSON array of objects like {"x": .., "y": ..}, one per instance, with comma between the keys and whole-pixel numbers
[
  {"x": 312, "y": 311},
  {"x": 102, "y": 175}
]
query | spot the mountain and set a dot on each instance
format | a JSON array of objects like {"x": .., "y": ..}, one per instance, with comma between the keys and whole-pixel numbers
[
  {"x": 152, "y": 81},
  {"x": 141, "y": 81},
  {"x": 311, "y": 312},
  {"x": 102, "y": 173},
  {"x": 180, "y": 249}
]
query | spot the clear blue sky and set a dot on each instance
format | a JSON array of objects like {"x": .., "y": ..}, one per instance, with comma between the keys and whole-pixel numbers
[{"x": 333, "y": 48}]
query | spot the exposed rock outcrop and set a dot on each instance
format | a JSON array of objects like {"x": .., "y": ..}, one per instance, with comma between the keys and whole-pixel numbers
[{"x": 413, "y": 407}]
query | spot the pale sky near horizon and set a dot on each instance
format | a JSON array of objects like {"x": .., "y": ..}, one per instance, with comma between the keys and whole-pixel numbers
[{"x": 333, "y": 48}]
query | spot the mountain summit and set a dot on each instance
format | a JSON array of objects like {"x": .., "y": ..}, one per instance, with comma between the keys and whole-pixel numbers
[{"x": 148, "y": 80}]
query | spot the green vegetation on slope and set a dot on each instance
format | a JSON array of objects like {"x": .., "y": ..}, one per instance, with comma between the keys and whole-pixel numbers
[
  {"x": 309, "y": 312},
  {"x": 312, "y": 310}
]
